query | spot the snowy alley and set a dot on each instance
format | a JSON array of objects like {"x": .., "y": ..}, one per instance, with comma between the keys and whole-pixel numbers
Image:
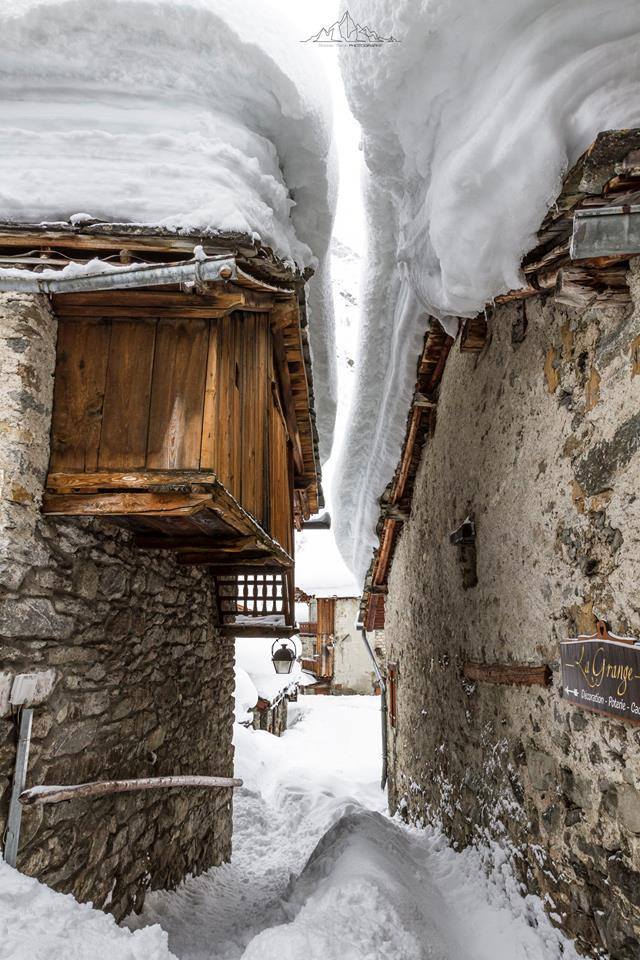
[
  {"x": 319, "y": 472},
  {"x": 318, "y": 871}
]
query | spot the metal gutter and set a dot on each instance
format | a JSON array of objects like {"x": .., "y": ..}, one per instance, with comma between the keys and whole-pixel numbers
[
  {"x": 196, "y": 272},
  {"x": 383, "y": 702}
]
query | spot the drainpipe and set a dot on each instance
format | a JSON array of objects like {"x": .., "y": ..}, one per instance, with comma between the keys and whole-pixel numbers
[{"x": 383, "y": 702}]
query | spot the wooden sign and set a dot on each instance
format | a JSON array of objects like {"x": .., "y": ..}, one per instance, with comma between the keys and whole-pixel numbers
[{"x": 602, "y": 673}]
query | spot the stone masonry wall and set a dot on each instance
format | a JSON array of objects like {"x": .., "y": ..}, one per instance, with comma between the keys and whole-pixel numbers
[
  {"x": 538, "y": 438},
  {"x": 143, "y": 679}
]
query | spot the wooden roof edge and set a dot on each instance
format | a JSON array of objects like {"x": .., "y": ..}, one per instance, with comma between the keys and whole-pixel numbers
[
  {"x": 306, "y": 353},
  {"x": 253, "y": 256},
  {"x": 399, "y": 492}
]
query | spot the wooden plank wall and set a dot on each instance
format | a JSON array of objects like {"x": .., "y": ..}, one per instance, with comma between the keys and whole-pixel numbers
[
  {"x": 176, "y": 394},
  {"x": 280, "y": 474},
  {"x": 326, "y": 622}
]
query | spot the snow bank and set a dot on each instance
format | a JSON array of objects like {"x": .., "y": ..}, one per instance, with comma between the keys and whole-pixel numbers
[
  {"x": 38, "y": 924},
  {"x": 245, "y": 696},
  {"x": 468, "y": 126},
  {"x": 192, "y": 115}
]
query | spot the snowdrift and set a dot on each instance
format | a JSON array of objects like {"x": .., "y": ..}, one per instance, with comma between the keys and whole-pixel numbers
[
  {"x": 371, "y": 889},
  {"x": 191, "y": 115},
  {"x": 468, "y": 126},
  {"x": 38, "y": 924}
]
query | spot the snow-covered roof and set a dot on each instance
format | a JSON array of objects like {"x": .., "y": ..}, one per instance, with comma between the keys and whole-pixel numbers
[
  {"x": 468, "y": 126},
  {"x": 187, "y": 115}
]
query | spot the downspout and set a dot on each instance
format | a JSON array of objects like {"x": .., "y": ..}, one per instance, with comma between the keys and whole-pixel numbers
[{"x": 383, "y": 702}]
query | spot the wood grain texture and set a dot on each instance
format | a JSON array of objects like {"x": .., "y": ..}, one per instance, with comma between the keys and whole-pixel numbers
[
  {"x": 177, "y": 395},
  {"x": 125, "y": 418},
  {"x": 81, "y": 369},
  {"x": 515, "y": 674}
]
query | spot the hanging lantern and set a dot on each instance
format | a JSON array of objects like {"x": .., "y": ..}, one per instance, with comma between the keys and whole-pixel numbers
[{"x": 284, "y": 657}]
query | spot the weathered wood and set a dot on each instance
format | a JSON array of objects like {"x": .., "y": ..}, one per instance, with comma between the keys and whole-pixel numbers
[
  {"x": 288, "y": 402},
  {"x": 474, "y": 335},
  {"x": 125, "y": 416},
  {"x": 81, "y": 370},
  {"x": 285, "y": 314},
  {"x": 38, "y": 796},
  {"x": 514, "y": 674},
  {"x": 177, "y": 394},
  {"x": 582, "y": 287},
  {"x": 123, "y": 504},
  {"x": 210, "y": 426},
  {"x": 257, "y": 630},
  {"x": 117, "y": 479},
  {"x": 421, "y": 400},
  {"x": 198, "y": 544},
  {"x": 393, "y": 512}
]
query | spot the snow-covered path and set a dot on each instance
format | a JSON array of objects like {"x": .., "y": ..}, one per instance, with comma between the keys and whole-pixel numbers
[{"x": 319, "y": 870}]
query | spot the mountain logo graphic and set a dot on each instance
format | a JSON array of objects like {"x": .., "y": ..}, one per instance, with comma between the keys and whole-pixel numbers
[{"x": 347, "y": 31}]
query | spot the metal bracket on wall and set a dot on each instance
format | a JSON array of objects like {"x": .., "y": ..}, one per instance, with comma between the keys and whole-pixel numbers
[{"x": 12, "y": 836}]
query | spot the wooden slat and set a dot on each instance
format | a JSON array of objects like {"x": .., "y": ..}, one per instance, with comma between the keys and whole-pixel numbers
[
  {"x": 239, "y": 435},
  {"x": 122, "y": 504},
  {"x": 257, "y": 630},
  {"x": 179, "y": 371},
  {"x": 516, "y": 674},
  {"x": 288, "y": 402},
  {"x": 118, "y": 480},
  {"x": 125, "y": 419},
  {"x": 196, "y": 544},
  {"x": 81, "y": 369},
  {"x": 210, "y": 424}
]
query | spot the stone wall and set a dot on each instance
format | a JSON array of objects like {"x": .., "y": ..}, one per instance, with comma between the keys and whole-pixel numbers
[
  {"x": 538, "y": 439},
  {"x": 143, "y": 679}
]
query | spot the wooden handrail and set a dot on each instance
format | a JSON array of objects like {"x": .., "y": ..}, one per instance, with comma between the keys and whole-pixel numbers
[{"x": 103, "y": 788}]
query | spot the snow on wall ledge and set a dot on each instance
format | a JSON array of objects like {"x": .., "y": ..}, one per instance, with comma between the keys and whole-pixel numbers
[
  {"x": 192, "y": 115},
  {"x": 468, "y": 127}
]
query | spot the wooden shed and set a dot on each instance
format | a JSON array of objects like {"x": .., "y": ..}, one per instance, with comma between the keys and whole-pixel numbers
[{"x": 182, "y": 402}]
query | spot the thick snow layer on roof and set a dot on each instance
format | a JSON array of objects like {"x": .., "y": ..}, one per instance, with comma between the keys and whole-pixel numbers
[
  {"x": 192, "y": 115},
  {"x": 469, "y": 124},
  {"x": 38, "y": 923}
]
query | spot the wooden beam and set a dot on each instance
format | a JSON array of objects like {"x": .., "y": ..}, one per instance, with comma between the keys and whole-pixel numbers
[
  {"x": 290, "y": 415},
  {"x": 257, "y": 630},
  {"x": 513, "y": 674},
  {"x": 197, "y": 544},
  {"x": 582, "y": 287},
  {"x": 174, "y": 493},
  {"x": 215, "y": 558},
  {"x": 123, "y": 504},
  {"x": 423, "y": 401},
  {"x": 285, "y": 313},
  {"x": 474, "y": 335},
  {"x": 125, "y": 480}
]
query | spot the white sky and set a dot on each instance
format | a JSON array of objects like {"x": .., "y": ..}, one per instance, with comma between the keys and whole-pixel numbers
[{"x": 319, "y": 565}]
